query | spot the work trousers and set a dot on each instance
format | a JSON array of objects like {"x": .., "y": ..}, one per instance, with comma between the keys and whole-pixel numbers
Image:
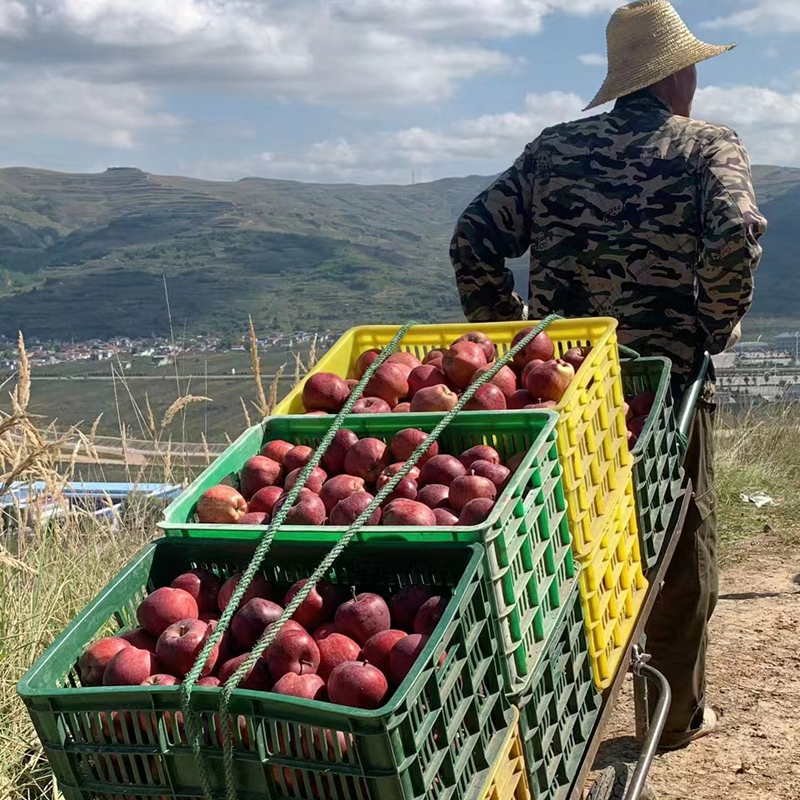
[{"x": 677, "y": 631}]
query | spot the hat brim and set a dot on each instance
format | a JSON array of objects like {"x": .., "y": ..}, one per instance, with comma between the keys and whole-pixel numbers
[{"x": 618, "y": 85}]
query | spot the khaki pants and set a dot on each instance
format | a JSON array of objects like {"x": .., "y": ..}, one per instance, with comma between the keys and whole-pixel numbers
[{"x": 677, "y": 635}]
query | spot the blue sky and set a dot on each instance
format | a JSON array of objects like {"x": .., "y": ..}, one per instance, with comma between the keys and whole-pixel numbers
[{"x": 350, "y": 90}]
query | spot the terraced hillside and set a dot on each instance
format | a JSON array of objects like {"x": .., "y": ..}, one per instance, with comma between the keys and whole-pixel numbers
[{"x": 86, "y": 255}]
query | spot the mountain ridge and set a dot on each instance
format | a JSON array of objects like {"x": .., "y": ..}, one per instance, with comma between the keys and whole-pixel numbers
[{"x": 86, "y": 254}]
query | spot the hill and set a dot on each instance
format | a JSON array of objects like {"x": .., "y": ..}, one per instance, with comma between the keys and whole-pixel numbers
[{"x": 84, "y": 255}]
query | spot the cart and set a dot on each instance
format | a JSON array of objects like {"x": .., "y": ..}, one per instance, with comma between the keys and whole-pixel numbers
[{"x": 619, "y": 781}]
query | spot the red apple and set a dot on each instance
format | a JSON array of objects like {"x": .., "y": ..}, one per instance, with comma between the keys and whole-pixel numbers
[
  {"x": 323, "y": 632},
  {"x": 434, "y": 495},
  {"x": 292, "y": 651},
  {"x": 130, "y": 667},
  {"x": 335, "y": 649},
  {"x": 376, "y": 650},
  {"x": 209, "y": 680},
  {"x": 92, "y": 664},
  {"x": 314, "y": 610},
  {"x": 462, "y": 361},
  {"x": 433, "y": 398},
  {"x": 642, "y": 404},
  {"x": 347, "y": 511},
  {"x": 297, "y": 457},
  {"x": 636, "y": 425},
  {"x": 181, "y": 643},
  {"x": 408, "y": 360},
  {"x": 575, "y": 356},
  {"x": 406, "y": 603},
  {"x": 404, "y": 655},
  {"x": 365, "y": 362},
  {"x": 366, "y": 459},
  {"x": 162, "y": 679},
  {"x": 221, "y": 505},
  {"x": 496, "y": 473},
  {"x": 314, "y": 482},
  {"x": 324, "y": 391},
  {"x": 257, "y": 677},
  {"x": 139, "y": 637},
  {"x": 514, "y": 461},
  {"x": 405, "y": 442},
  {"x": 470, "y": 487},
  {"x": 520, "y": 399},
  {"x": 549, "y": 380},
  {"x": 487, "y": 398},
  {"x": 259, "y": 587},
  {"x": 333, "y": 460},
  {"x": 357, "y": 684},
  {"x": 371, "y": 405},
  {"x": 445, "y": 517},
  {"x": 308, "y": 509},
  {"x": 425, "y": 376},
  {"x": 251, "y": 620},
  {"x": 628, "y": 411},
  {"x": 362, "y": 617},
  {"x": 402, "y": 408},
  {"x": 476, "y": 511},
  {"x": 505, "y": 380},
  {"x": 436, "y": 354},
  {"x": 392, "y": 470},
  {"x": 632, "y": 438},
  {"x": 264, "y": 500},
  {"x": 406, "y": 489},
  {"x": 479, "y": 452},
  {"x": 254, "y": 518},
  {"x": 338, "y": 488},
  {"x": 405, "y": 513},
  {"x": 545, "y": 405},
  {"x": 276, "y": 449},
  {"x": 429, "y": 614},
  {"x": 163, "y": 607},
  {"x": 540, "y": 347},
  {"x": 390, "y": 383},
  {"x": 481, "y": 339},
  {"x": 441, "y": 469},
  {"x": 258, "y": 472},
  {"x": 308, "y": 686},
  {"x": 202, "y": 585}
]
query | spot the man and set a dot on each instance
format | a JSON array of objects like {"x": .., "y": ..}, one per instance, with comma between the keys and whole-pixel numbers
[{"x": 646, "y": 215}]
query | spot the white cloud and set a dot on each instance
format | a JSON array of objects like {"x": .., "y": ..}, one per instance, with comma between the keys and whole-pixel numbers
[
  {"x": 763, "y": 15},
  {"x": 112, "y": 116},
  {"x": 592, "y": 59},
  {"x": 325, "y": 51}
]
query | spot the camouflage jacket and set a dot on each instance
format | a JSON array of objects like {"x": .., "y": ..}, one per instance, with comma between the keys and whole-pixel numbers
[{"x": 635, "y": 213}]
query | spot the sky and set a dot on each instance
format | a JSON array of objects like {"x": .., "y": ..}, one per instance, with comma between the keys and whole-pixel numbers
[{"x": 365, "y": 91}]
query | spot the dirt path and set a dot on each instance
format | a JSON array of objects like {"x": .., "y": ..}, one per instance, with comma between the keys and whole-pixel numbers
[{"x": 754, "y": 685}]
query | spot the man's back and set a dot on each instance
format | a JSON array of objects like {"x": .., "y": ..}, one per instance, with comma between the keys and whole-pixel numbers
[{"x": 638, "y": 214}]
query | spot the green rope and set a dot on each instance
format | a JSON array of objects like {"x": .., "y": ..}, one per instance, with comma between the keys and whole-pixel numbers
[{"x": 324, "y": 567}]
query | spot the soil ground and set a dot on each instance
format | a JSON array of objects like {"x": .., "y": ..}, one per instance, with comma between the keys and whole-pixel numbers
[{"x": 753, "y": 684}]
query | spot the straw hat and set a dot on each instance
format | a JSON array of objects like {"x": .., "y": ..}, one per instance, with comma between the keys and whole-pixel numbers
[{"x": 647, "y": 42}]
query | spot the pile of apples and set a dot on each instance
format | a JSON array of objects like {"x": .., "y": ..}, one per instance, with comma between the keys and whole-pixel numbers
[
  {"x": 440, "y": 490},
  {"x": 636, "y": 412},
  {"x": 534, "y": 379},
  {"x": 351, "y": 652}
]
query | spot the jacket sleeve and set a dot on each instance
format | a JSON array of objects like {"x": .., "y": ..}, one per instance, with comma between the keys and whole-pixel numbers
[
  {"x": 731, "y": 227},
  {"x": 494, "y": 227}
]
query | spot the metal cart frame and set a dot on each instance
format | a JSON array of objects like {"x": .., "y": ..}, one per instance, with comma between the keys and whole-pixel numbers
[{"x": 635, "y": 658}]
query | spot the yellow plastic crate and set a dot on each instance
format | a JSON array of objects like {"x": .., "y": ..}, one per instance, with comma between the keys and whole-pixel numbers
[
  {"x": 508, "y": 779},
  {"x": 592, "y": 438},
  {"x": 613, "y": 588}
]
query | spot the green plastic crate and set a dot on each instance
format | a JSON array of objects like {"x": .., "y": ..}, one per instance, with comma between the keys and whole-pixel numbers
[
  {"x": 657, "y": 455},
  {"x": 435, "y": 738},
  {"x": 559, "y": 708},
  {"x": 530, "y": 563}
]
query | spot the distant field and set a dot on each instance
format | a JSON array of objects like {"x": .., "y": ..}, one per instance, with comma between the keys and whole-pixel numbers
[{"x": 73, "y": 393}]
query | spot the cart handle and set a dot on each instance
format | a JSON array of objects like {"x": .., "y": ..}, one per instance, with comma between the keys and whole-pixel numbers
[
  {"x": 650, "y": 745},
  {"x": 691, "y": 396}
]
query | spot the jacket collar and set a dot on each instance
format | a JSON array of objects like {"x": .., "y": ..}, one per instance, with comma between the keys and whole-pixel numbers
[{"x": 642, "y": 101}]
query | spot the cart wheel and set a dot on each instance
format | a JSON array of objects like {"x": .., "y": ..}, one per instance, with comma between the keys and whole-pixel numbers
[{"x": 613, "y": 783}]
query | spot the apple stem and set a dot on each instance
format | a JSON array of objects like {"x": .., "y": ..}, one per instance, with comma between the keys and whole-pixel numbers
[{"x": 353, "y": 592}]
